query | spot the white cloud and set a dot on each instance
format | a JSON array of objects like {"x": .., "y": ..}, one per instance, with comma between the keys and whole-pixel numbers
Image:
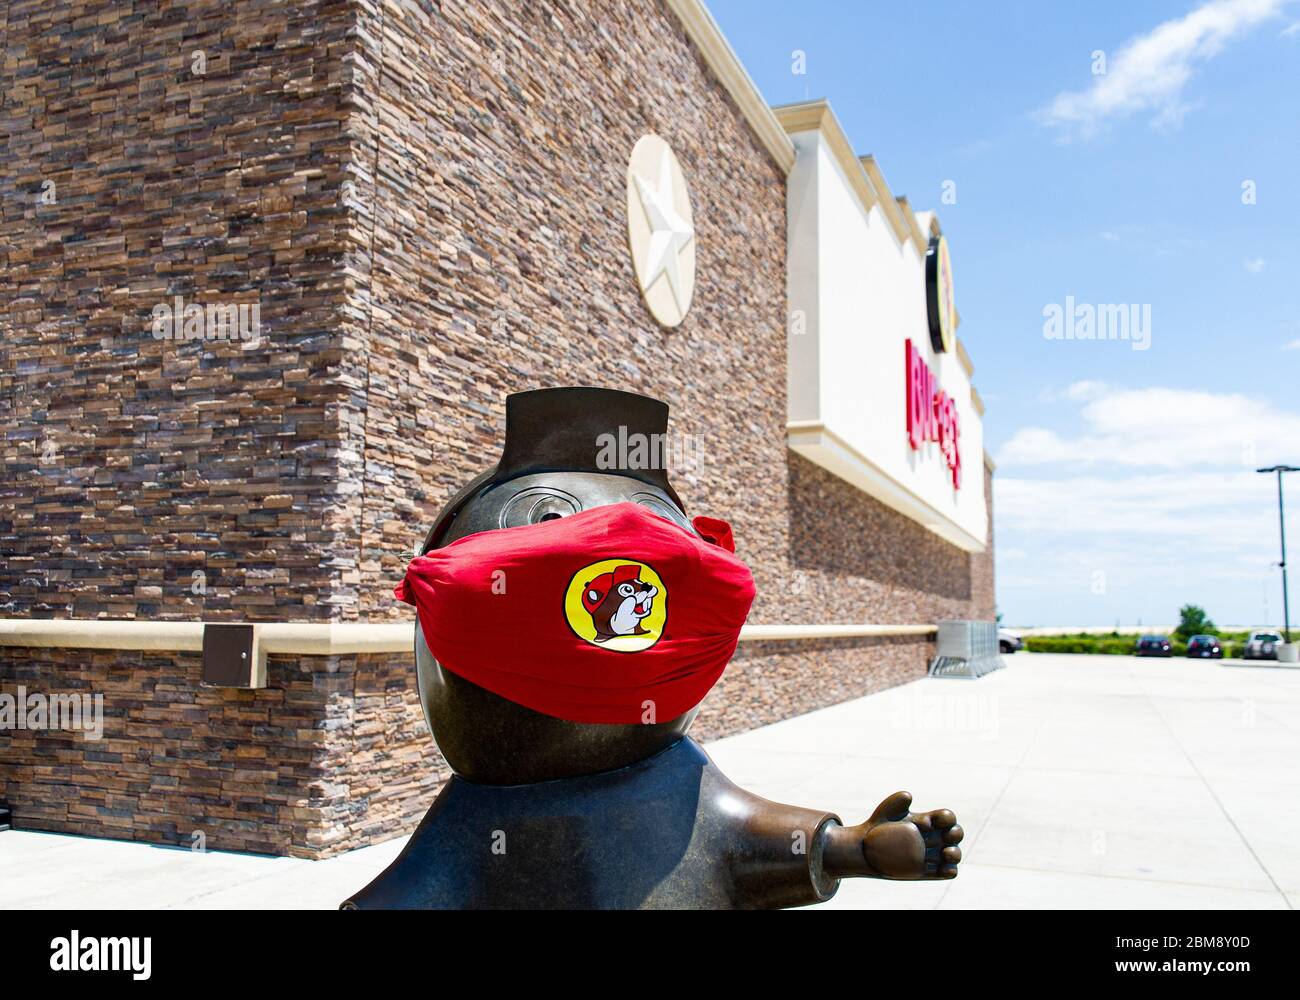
[
  {"x": 1293, "y": 346},
  {"x": 1160, "y": 428},
  {"x": 1153, "y": 502},
  {"x": 1136, "y": 548},
  {"x": 1076, "y": 391},
  {"x": 1151, "y": 71},
  {"x": 1291, "y": 30},
  {"x": 1155, "y": 507},
  {"x": 1254, "y": 265},
  {"x": 1086, "y": 389}
]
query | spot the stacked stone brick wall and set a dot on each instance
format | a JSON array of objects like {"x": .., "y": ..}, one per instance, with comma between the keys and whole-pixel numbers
[
  {"x": 770, "y": 681},
  {"x": 500, "y": 260},
  {"x": 332, "y": 754},
  {"x": 426, "y": 202},
  {"x": 154, "y": 151}
]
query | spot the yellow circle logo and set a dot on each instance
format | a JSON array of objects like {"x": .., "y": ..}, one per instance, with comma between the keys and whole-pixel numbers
[{"x": 618, "y": 604}]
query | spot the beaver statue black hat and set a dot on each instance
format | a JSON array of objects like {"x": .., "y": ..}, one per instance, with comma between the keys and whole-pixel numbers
[{"x": 544, "y": 812}]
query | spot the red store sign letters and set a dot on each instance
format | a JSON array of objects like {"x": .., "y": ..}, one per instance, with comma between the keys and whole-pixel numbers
[{"x": 931, "y": 413}]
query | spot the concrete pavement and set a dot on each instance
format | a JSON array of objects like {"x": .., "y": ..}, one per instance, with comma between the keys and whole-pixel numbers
[{"x": 1082, "y": 782}]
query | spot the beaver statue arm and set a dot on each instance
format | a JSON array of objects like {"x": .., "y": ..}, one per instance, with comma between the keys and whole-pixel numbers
[{"x": 790, "y": 856}]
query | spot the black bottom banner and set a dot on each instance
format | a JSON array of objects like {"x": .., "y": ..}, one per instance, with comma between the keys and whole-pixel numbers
[{"x": 311, "y": 950}]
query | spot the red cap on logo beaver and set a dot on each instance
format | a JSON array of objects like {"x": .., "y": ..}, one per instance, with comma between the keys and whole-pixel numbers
[{"x": 602, "y": 584}]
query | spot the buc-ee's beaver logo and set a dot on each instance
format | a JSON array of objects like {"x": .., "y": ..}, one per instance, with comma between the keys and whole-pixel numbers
[{"x": 618, "y": 604}]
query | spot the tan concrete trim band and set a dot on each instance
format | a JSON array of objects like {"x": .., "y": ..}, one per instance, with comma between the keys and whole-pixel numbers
[
  {"x": 890, "y": 206},
  {"x": 302, "y": 638},
  {"x": 965, "y": 360},
  {"x": 721, "y": 59},
  {"x": 82, "y": 634},
  {"x": 764, "y": 633},
  {"x": 919, "y": 239},
  {"x": 324, "y": 639}
]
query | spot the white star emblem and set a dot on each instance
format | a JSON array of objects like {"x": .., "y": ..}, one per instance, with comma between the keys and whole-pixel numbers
[{"x": 669, "y": 232}]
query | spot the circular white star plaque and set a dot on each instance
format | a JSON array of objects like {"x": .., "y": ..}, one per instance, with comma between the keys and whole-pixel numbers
[{"x": 660, "y": 232}]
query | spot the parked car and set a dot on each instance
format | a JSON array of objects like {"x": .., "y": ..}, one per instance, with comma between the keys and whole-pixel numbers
[
  {"x": 1153, "y": 645},
  {"x": 1205, "y": 646},
  {"x": 1008, "y": 641},
  {"x": 1262, "y": 645}
]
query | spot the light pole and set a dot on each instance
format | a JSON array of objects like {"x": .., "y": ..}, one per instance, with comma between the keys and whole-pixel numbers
[{"x": 1281, "y": 523}]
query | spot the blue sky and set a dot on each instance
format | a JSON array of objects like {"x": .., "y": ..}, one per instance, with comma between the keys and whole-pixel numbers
[{"x": 1125, "y": 483}]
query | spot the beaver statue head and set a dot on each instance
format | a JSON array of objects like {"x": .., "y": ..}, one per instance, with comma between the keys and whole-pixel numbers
[{"x": 554, "y": 463}]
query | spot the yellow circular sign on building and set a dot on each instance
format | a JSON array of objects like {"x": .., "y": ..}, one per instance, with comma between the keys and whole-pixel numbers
[
  {"x": 618, "y": 604},
  {"x": 660, "y": 230}
]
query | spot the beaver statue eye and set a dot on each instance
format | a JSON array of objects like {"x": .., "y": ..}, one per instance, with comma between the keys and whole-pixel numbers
[
  {"x": 663, "y": 508},
  {"x": 536, "y": 505},
  {"x": 626, "y": 589},
  {"x": 550, "y": 509}
]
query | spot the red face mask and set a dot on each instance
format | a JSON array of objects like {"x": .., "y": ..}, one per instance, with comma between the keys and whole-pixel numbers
[{"x": 612, "y": 615}]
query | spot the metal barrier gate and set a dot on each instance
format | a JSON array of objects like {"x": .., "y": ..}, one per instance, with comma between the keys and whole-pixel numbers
[{"x": 966, "y": 649}]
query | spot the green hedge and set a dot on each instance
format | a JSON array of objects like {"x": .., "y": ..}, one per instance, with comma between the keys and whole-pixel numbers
[
  {"x": 1120, "y": 645},
  {"x": 1079, "y": 644}
]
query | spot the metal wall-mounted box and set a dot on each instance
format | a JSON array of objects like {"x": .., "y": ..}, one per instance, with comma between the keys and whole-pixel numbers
[{"x": 232, "y": 656}]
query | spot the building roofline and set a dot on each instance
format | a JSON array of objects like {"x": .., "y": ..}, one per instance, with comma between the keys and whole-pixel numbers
[
  {"x": 718, "y": 54},
  {"x": 900, "y": 215},
  {"x": 816, "y": 116},
  {"x": 868, "y": 184},
  {"x": 965, "y": 360},
  {"x": 919, "y": 238},
  {"x": 863, "y": 172}
]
